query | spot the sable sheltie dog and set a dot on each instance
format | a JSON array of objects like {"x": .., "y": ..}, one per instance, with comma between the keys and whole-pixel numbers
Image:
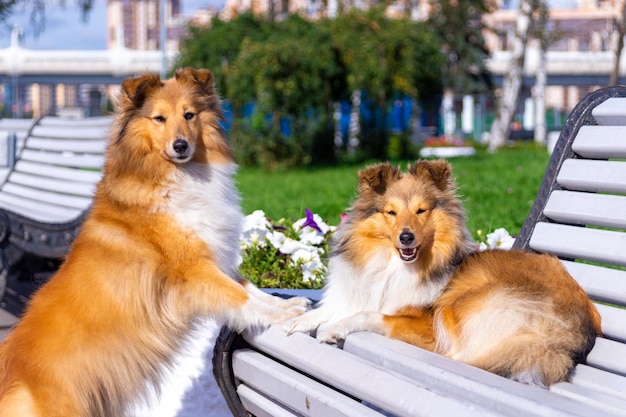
[
  {"x": 404, "y": 265},
  {"x": 158, "y": 250}
]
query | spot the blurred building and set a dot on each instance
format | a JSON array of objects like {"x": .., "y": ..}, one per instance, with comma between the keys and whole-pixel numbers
[
  {"x": 581, "y": 34},
  {"x": 131, "y": 24},
  {"x": 136, "y": 24}
]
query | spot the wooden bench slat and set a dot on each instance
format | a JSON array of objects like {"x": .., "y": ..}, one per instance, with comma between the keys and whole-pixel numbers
[
  {"x": 586, "y": 208},
  {"x": 53, "y": 199},
  {"x": 591, "y": 175},
  {"x": 97, "y": 121},
  {"x": 80, "y": 146},
  {"x": 602, "y": 284},
  {"x": 608, "y": 355},
  {"x": 37, "y": 211},
  {"x": 601, "y": 142},
  {"x": 299, "y": 393},
  {"x": 77, "y": 161},
  {"x": 260, "y": 406},
  {"x": 491, "y": 391},
  {"x": 599, "y": 380},
  {"x": 611, "y": 112},
  {"x": 599, "y": 400},
  {"x": 15, "y": 124},
  {"x": 613, "y": 319},
  {"x": 63, "y": 132},
  {"x": 51, "y": 184},
  {"x": 62, "y": 173},
  {"x": 574, "y": 242},
  {"x": 384, "y": 389}
]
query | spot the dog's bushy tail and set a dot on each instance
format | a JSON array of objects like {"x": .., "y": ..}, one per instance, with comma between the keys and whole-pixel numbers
[{"x": 530, "y": 359}]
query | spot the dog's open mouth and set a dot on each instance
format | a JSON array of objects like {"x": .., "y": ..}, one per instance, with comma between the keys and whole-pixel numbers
[
  {"x": 408, "y": 254},
  {"x": 182, "y": 158},
  {"x": 176, "y": 158}
]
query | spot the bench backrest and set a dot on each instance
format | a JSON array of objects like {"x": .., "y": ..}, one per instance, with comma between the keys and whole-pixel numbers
[
  {"x": 12, "y": 135},
  {"x": 56, "y": 169},
  {"x": 580, "y": 216},
  {"x": 18, "y": 126}
]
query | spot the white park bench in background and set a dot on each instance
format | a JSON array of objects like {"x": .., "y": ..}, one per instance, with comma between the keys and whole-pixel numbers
[{"x": 44, "y": 196}]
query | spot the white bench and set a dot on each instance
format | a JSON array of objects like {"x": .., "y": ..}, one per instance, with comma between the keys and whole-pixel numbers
[
  {"x": 579, "y": 215},
  {"x": 12, "y": 135},
  {"x": 43, "y": 200},
  {"x": 18, "y": 126}
]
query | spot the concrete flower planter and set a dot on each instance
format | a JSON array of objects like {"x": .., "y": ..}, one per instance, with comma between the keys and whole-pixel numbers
[{"x": 447, "y": 151}]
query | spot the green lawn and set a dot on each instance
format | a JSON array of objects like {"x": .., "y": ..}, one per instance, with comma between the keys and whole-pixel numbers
[{"x": 498, "y": 189}]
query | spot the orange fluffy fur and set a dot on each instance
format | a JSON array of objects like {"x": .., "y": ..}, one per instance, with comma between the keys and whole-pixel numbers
[
  {"x": 158, "y": 250},
  {"x": 404, "y": 266}
]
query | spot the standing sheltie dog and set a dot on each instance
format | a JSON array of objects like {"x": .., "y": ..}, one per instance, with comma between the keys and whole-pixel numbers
[
  {"x": 404, "y": 265},
  {"x": 158, "y": 251}
]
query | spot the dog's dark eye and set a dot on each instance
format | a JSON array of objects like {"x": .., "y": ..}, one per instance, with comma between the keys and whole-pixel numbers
[
  {"x": 391, "y": 212},
  {"x": 420, "y": 211},
  {"x": 159, "y": 119},
  {"x": 188, "y": 115}
]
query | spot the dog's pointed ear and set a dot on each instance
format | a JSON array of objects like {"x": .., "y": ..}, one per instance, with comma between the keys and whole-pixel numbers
[
  {"x": 440, "y": 172},
  {"x": 134, "y": 90},
  {"x": 376, "y": 178},
  {"x": 203, "y": 78}
]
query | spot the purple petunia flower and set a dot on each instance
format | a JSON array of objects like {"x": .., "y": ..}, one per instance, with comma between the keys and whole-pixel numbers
[{"x": 310, "y": 221}]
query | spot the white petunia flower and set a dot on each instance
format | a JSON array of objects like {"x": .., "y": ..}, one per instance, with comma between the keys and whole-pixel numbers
[
  {"x": 276, "y": 239},
  {"x": 499, "y": 239},
  {"x": 309, "y": 262},
  {"x": 310, "y": 236},
  {"x": 254, "y": 230},
  {"x": 290, "y": 246}
]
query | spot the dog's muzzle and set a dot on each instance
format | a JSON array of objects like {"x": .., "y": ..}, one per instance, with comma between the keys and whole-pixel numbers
[
  {"x": 182, "y": 150},
  {"x": 408, "y": 248}
]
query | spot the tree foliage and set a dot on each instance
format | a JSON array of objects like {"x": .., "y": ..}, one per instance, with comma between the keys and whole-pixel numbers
[
  {"x": 217, "y": 46},
  {"x": 295, "y": 70},
  {"x": 291, "y": 72},
  {"x": 37, "y": 10},
  {"x": 386, "y": 56},
  {"x": 6, "y": 8},
  {"x": 459, "y": 27}
]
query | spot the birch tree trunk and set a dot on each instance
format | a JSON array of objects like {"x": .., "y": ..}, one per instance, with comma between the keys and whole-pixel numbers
[
  {"x": 539, "y": 89},
  {"x": 539, "y": 97},
  {"x": 621, "y": 31},
  {"x": 512, "y": 83}
]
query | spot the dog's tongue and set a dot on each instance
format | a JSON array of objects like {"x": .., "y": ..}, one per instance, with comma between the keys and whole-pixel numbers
[{"x": 408, "y": 254}]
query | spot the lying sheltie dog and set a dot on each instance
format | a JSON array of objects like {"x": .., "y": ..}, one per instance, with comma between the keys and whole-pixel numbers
[
  {"x": 404, "y": 265},
  {"x": 158, "y": 251}
]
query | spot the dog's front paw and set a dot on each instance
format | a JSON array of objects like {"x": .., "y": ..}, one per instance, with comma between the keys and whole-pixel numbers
[
  {"x": 300, "y": 303},
  {"x": 333, "y": 334},
  {"x": 364, "y": 321},
  {"x": 292, "y": 312},
  {"x": 303, "y": 324}
]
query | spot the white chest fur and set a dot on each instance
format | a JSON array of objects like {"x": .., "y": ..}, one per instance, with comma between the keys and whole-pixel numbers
[
  {"x": 204, "y": 199},
  {"x": 386, "y": 284}
]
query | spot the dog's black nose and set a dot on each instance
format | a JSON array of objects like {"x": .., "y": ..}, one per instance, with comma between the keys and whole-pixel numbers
[
  {"x": 406, "y": 238},
  {"x": 180, "y": 146}
]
